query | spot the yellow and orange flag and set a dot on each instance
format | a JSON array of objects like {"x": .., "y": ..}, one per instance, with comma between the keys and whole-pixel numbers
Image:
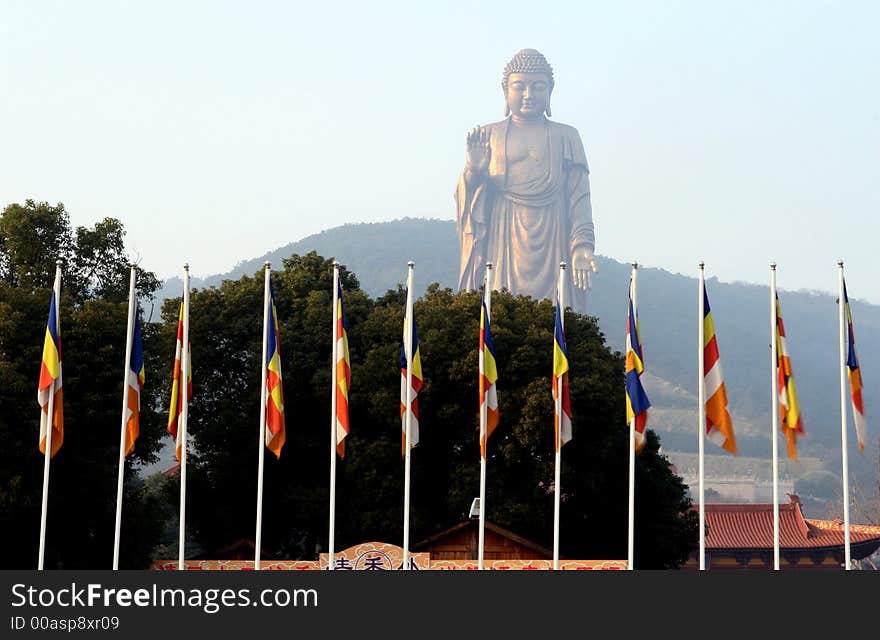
[
  {"x": 560, "y": 374},
  {"x": 488, "y": 378},
  {"x": 50, "y": 382},
  {"x": 135, "y": 383},
  {"x": 275, "y": 433},
  {"x": 343, "y": 374},
  {"x": 175, "y": 412},
  {"x": 719, "y": 426},
  {"x": 789, "y": 409}
]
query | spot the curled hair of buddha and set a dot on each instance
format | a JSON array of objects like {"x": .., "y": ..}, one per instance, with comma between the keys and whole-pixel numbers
[{"x": 527, "y": 61}]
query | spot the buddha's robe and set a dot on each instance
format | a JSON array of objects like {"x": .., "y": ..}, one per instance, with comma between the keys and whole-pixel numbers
[{"x": 527, "y": 218}]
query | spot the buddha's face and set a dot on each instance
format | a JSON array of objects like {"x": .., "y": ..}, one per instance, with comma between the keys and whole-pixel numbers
[{"x": 528, "y": 94}]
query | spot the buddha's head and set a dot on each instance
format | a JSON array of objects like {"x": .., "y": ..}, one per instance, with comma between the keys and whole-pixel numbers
[{"x": 527, "y": 83}]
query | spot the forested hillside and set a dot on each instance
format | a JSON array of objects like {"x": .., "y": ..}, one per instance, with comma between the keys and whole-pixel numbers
[{"x": 377, "y": 253}]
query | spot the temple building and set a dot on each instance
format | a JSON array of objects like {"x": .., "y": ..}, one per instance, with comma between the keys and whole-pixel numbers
[{"x": 740, "y": 536}]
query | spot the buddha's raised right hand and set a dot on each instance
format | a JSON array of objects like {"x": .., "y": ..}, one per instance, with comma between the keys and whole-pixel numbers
[{"x": 478, "y": 151}]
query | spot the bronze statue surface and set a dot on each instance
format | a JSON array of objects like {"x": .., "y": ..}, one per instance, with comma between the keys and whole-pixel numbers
[{"x": 523, "y": 198}]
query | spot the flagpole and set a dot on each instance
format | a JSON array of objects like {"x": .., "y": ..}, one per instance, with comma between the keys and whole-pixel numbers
[
  {"x": 132, "y": 309},
  {"x": 557, "y": 475},
  {"x": 261, "y": 440},
  {"x": 333, "y": 383},
  {"x": 774, "y": 401},
  {"x": 701, "y": 411},
  {"x": 184, "y": 399},
  {"x": 484, "y": 418},
  {"x": 408, "y": 415},
  {"x": 843, "y": 442},
  {"x": 50, "y": 416},
  {"x": 630, "y": 544}
]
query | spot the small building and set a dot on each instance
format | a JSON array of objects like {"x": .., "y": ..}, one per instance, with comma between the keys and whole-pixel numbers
[
  {"x": 461, "y": 542},
  {"x": 740, "y": 536}
]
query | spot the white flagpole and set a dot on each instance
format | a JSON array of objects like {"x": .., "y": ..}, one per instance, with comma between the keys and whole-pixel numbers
[
  {"x": 557, "y": 475},
  {"x": 261, "y": 440},
  {"x": 484, "y": 406},
  {"x": 184, "y": 399},
  {"x": 774, "y": 401},
  {"x": 843, "y": 443},
  {"x": 330, "y": 560},
  {"x": 701, "y": 412},
  {"x": 630, "y": 544},
  {"x": 132, "y": 309},
  {"x": 408, "y": 346},
  {"x": 50, "y": 415}
]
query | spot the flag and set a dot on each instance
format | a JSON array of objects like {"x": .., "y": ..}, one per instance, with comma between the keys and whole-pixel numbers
[
  {"x": 135, "y": 386},
  {"x": 637, "y": 402},
  {"x": 789, "y": 409},
  {"x": 275, "y": 434},
  {"x": 719, "y": 426},
  {"x": 343, "y": 374},
  {"x": 175, "y": 412},
  {"x": 413, "y": 394},
  {"x": 488, "y": 377},
  {"x": 855, "y": 376},
  {"x": 562, "y": 422},
  {"x": 50, "y": 383}
]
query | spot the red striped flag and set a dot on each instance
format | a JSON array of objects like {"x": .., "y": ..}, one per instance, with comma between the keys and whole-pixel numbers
[
  {"x": 135, "y": 383},
  {"x": 488, "y": 378},
  {"x": 789, "y": 409},
  {"x": 413, "y": 394},
  {"x": 855, "y": 377},
  {"x": 175, "y": 412},
  {"x": 50, "y": 382},
  {"x": 275, "y": 433},
  {"x": 719, "y": 426},
  {"x": 343, "y": 374},
  {"x": 560, "y": 373}
]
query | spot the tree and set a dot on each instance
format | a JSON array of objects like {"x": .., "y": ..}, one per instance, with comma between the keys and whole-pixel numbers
[
  {"x": 93, "y": 310},
  {"x": 226, "y": 339}
]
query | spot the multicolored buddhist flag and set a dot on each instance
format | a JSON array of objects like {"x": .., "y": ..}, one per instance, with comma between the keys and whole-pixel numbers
[
  {"x": 343, "y": 374},
  {"x": 560, "y": 373},
  {"x": 413, "y": 394},
  {"x": 135, "y": 382},
  {"x": 789, "y": 409},
  {"x": 275, "y": 434},
  {"x": 855, "y": 376},
  {"x": 637, "y": 402},
  {"x": 488, "y": 378},
  {"x": 175, "y": 412},
  {"x": 50, "y": 382},
  {"x": 719, "y": 426}
]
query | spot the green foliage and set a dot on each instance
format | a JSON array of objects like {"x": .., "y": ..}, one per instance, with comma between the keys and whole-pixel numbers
[
  {"x": 226, "y": 341},
  {"x": 93, "y": 311}
]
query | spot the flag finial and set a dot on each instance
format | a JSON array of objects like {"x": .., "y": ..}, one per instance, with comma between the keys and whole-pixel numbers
[
  {"x": 410, "y": 264},
  {"x": 267, "y": 264},
  {"x": 773, "y": 266},
  {"x": 840, "y": 263},
  {"x": 635, "y": 265},
  {"x": 702, "y": 264},
  {"x": 562, "y": 265}
]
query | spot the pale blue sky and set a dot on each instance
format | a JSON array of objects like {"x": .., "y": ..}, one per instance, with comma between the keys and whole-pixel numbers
[{"x": 734, "y": 132}]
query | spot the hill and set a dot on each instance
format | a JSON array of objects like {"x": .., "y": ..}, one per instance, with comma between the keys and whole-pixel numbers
[{"x": 378, "y": 253}]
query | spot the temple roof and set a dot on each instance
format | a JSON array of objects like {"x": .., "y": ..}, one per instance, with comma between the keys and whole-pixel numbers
[{"x": 750, "y": 526}]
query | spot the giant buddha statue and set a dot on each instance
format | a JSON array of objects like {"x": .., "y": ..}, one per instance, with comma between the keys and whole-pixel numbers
[{"x": 523, "y": 198}]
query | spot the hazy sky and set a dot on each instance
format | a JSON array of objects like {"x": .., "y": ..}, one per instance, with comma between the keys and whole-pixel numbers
[{"x": 734, "y": 132}]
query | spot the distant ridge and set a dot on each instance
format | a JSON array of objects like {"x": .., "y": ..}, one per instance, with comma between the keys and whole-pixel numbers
[{"x": 378, "y": 252}]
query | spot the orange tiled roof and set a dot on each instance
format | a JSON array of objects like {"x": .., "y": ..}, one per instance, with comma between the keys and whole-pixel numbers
[{"x": 750, "y": 526}]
